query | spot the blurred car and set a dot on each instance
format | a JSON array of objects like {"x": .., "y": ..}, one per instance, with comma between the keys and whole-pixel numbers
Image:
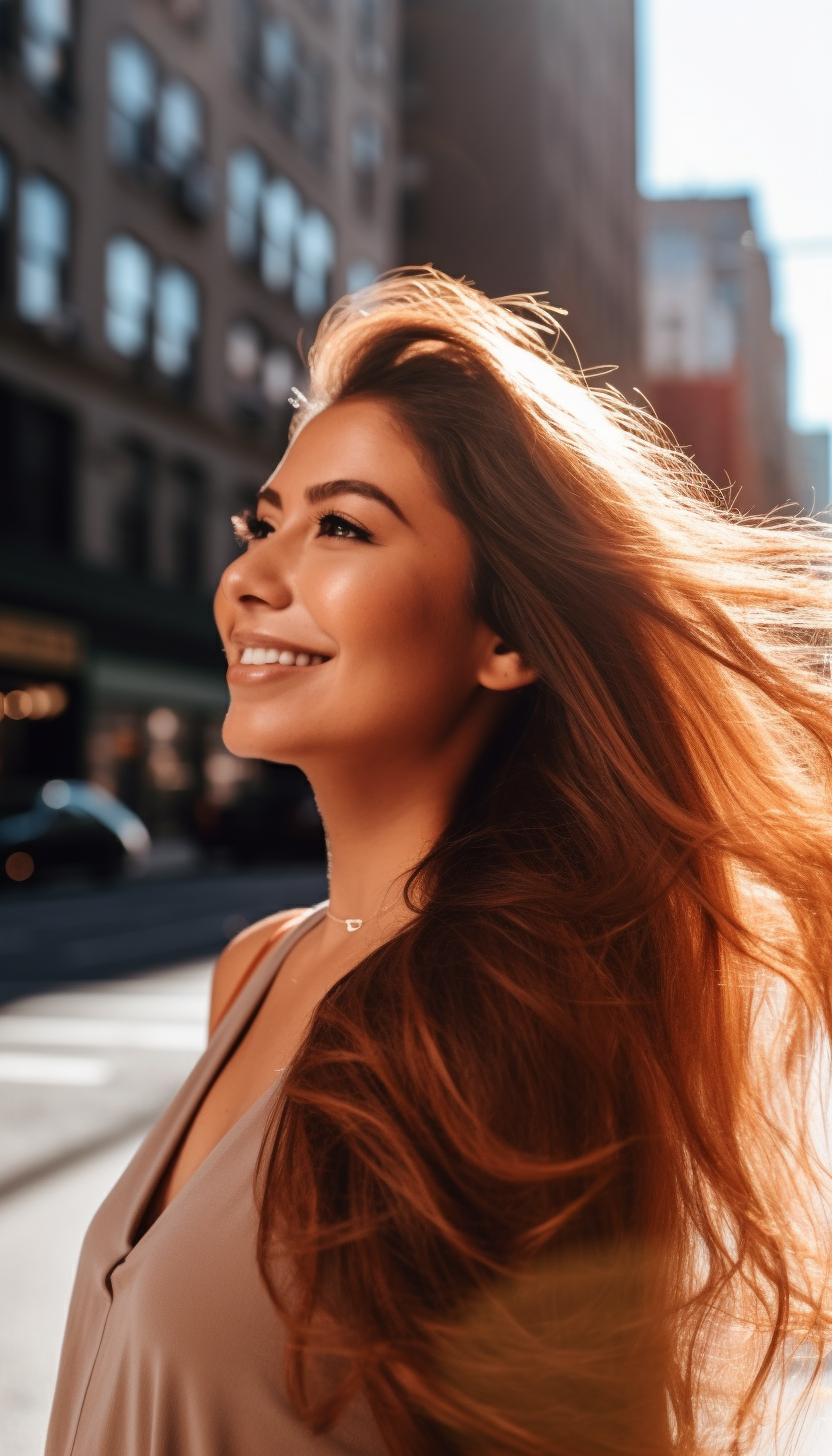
[{"x": 70, "y": 827}]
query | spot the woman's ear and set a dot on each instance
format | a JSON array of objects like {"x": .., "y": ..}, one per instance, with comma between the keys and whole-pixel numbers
[{"x": 503, "y": 669}]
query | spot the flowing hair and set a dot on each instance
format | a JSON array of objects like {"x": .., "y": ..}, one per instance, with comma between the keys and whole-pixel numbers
[{"x": 548, "y": 1173}]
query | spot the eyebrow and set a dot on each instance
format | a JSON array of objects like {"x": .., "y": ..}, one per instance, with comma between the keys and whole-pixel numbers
[{"x": 329, "y": 489}]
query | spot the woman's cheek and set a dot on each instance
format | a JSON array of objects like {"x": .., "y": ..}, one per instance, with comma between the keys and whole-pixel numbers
[{"x": 365, "y": 605}]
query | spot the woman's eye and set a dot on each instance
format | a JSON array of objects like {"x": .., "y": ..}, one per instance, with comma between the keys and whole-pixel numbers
[
  {"x": 248, "y": 526},
  {"x": 331, "y": 524}
]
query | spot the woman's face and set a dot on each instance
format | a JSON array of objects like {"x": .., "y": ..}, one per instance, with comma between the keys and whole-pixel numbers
[{"x": 355, "y": 588}]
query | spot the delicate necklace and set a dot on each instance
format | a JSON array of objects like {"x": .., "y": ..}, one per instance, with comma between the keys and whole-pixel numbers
[{"x": 350, "y": 924}]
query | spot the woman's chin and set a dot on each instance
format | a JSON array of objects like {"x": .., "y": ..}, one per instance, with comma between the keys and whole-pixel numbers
[
  {"x": 251, "y": 739},
  {"x": 246, "y": 739}
]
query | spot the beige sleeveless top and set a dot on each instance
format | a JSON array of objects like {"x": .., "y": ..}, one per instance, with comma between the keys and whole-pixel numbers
[{"x": 173, "y": 1346}]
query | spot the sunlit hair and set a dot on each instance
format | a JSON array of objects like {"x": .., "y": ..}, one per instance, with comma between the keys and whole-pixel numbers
[{"x": 546, "y": 1174}]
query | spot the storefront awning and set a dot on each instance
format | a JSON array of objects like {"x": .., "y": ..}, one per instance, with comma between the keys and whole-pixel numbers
[{"x": 133, "y": 682}]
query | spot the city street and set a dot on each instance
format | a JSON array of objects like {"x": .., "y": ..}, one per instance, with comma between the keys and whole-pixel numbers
[
  {"x": 83, "y": 1073},
  {"x": 82, "y": 1068},
  {"x": 87, "y": 1062},
  {"x": 57, "y": 937},
  {"x": 41, "y": 1228}
]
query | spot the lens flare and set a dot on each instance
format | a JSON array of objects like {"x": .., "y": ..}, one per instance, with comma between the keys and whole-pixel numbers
[{"x": 20, "y": 866}]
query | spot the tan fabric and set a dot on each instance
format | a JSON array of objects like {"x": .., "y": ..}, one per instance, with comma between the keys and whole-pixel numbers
[{"x": 172, "y": 1346}]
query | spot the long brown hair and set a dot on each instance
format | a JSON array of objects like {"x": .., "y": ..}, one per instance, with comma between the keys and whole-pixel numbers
[{"x": 542, "y": 1177}]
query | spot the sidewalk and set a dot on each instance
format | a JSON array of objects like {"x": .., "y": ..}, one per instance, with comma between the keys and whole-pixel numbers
[
  {"x": 80, "y": 1069},
  {"x": 83, "y": 1074},
  {"x": 41, "y": 1229}
]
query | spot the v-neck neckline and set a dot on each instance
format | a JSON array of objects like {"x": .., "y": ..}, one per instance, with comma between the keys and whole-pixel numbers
[{"x": 220, "y": 1049}]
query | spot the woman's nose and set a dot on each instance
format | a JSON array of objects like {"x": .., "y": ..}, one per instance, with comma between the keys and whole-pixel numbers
[{"x": 257, "y": 576}]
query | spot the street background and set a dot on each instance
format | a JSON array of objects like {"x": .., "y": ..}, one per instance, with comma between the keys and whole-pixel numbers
[{"x": 185, "y": 186}]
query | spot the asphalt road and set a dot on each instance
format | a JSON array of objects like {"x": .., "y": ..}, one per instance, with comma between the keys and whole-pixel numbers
[
  {"x": 50, "y": 938},
  {"x": 83, "y": 1067}
]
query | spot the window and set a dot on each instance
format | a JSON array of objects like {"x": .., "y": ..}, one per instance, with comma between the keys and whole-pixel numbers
[
  {"x": 289, "y": 78},
  {"x": 157, "y": 127},
  {"x": 37, "y": 482},
  {"x": 180, "y": 134},
  {"x": 136, "y": 494},
  {"x": 279, "y": 66},
  {"x": 361, "y": 274},
  {"x": 190, "y": 490},
  {"x": 176, "y": 321},
  {"x": 261, "y": 374},
  {"x": 43, "y": 249},
  {"x": 149, "y": 310},
  {"x": 370, "y": 54},
  {"x": 244, "y": 352},
  {"x": 366, "y": 150},
  {"x": 674, "y": 250},
  {"x": 128, "y": 284},
  {"x": 132, "y": 86},
  {"x": 5, "y": 219},
  {"x": 245, "y": 178},
  {"x": 312, "y": 109},
  {"x": 281, "y": 215},
  {"x": 8, "y": 34},
  {"x": 266, "y": 220},
  {"x": 46, "y": 46},
  {"x": 279, "y": 375},
  {"x": 316, "y": 257}
]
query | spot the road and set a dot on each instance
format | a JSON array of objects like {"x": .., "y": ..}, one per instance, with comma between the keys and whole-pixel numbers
[
  {"x": 83, "y": 1067},
  {"x": 57, "y": 937},
  {"x": 83, "y": 1073},
  {"x": 41, "y": 1228}
]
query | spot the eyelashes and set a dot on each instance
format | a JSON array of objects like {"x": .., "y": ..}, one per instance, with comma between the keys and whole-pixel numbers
[
  {"x": 248, "y": 526},
  {"x": 341, "y": 528}
]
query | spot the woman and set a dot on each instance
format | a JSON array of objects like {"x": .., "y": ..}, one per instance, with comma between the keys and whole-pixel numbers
[{"x": 518, "y": 1137}]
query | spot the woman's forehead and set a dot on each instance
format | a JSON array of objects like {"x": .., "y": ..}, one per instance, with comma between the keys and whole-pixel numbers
[{"x": 359, "y": 439}]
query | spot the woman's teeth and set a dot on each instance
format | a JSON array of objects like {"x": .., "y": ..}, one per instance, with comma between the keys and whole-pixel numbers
[{"x": 259, "y": 656}]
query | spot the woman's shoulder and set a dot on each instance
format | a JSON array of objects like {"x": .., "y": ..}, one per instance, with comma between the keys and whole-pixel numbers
[{"x": 239, "y": 957}]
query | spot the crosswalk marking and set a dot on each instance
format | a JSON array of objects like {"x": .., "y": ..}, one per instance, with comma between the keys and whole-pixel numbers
[
  {"x": 51, "y": 1070},
  {"x": 87, "y": 1031},
  {"x": 44, "y": 1039}
]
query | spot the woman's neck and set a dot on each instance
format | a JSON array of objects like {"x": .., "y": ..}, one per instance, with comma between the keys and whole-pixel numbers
[
  {"x": 384, "y": 811},
  {"x": 381, "y": 819},
  {"x": 376, "y": 832}
]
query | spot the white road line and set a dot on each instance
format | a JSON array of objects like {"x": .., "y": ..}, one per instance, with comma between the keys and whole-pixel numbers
[
  {"x": 146, "y": 1006},
  {"x": 87, "y": 1031},
  {"x": 48, "y": 1069}
]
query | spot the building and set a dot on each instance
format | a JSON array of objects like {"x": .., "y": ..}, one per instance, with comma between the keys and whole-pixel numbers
[
  {"x": 518, "y": 167},
  {"x": 811, "y": 465},
  {"x": 184, "y": 187},
  {"x": 714, "y": 365}
]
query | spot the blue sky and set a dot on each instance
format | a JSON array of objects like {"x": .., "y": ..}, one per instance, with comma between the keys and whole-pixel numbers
[{"x": 736, "y": 95}]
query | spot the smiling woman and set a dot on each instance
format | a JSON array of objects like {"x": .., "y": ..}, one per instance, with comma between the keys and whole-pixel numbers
[
  {"x": 507, "y": 1147},
  {"x": 354, "y": 559}
]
